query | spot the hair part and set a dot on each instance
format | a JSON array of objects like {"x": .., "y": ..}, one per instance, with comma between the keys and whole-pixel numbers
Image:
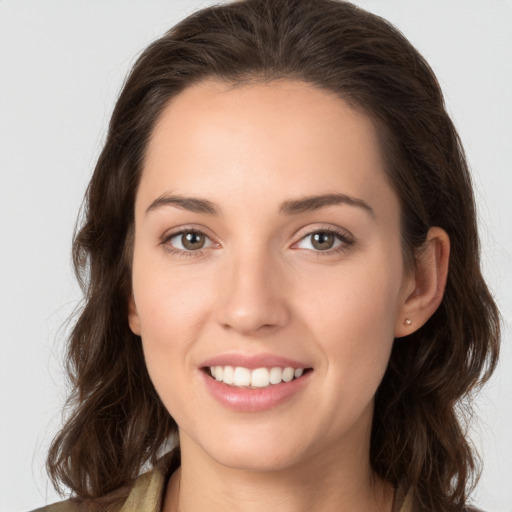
[{"x": 117, "y": 422}]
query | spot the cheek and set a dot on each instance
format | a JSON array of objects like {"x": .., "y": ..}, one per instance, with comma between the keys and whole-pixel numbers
[
  {"x": 352, "y": 316},
  {"x": 172, "y": 310},
  {"x": 169, "y": 302},
  {"x": 354, "y": 298}
]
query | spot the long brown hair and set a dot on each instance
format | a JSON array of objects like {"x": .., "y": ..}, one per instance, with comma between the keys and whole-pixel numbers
[{"x": 117, "y": 422}]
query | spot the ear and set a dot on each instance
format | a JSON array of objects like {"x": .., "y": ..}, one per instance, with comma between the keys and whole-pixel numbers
[
  {"x": 424, "y": 289},
  {"x": 133, "y": 316}
]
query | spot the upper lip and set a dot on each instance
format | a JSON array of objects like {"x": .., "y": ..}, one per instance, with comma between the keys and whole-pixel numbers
[{"x": 254, "y": 361}]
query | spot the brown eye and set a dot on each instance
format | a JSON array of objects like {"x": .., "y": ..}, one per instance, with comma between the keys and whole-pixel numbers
[
  {"x": 323, "y": 240},
  {"x": 193, "y": 241},
  {"x": 188, "y": 241}
]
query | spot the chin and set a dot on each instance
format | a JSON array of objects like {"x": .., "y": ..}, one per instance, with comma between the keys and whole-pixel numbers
[
  {"x": 258, "y": 449},
  {"x": 252, "y": 460}
]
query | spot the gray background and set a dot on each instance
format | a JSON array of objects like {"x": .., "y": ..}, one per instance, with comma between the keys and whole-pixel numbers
[{"x": 61, "y": 66}]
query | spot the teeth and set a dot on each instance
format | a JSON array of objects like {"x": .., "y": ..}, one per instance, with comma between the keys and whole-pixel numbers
[
  {"x": 276, "y": 375},
  {"x": 242, "y": 377},
  {"x": 229, "y": 375},
  {"x": 260, "y": 378},
  {"x": 257, "y": 378},
  {"x": 288, "y": 374}
]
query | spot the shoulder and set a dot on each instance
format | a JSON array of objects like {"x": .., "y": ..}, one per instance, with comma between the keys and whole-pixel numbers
[
  {"x": 405, "y": 502},
  {"x": 61, "y": 506},
  {"x": 145, "y": 495}
]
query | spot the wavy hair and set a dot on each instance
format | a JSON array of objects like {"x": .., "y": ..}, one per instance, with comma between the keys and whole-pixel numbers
[{"x": 116, "y": 422}]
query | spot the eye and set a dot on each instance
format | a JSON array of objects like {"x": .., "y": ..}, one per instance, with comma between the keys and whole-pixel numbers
[
  {"x": 189, "y": 240},
  {"x": 324, "y": 240}
]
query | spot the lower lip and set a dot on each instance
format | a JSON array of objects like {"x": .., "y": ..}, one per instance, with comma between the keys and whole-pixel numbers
[{"x": 257, "y": 399}]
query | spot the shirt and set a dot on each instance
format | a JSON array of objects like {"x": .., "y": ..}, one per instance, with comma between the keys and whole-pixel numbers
[{"x": 148, "y": 491}]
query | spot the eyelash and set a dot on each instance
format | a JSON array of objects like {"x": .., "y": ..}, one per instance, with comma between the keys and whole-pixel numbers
[
  {"x": 342, "y": 236},
  {"x": 346, "y": 242},
  {"x": 180, "y": 252}
]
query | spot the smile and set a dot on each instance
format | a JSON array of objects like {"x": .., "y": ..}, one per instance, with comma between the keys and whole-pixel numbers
[{"x": 254, "y": 378}]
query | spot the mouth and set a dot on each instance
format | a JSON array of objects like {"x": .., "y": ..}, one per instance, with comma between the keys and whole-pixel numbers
[
  {"x": 255, "y": 382},
  {"x": 254, "y": 378}
]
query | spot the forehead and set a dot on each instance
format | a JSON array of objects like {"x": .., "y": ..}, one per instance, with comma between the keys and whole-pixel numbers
[{"x": 282, "y": 136}]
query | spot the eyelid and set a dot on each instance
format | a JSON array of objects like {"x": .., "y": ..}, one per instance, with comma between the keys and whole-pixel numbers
[
  {"x": 175, "y": 232},
  {"x": 344, "y": 236}
]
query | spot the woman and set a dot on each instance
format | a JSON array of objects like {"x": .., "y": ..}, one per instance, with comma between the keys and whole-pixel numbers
[{"x": 281, "y": 267}]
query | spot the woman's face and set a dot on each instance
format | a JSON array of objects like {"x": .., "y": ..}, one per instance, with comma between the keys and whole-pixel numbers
[{"x": 267, "y": 237}]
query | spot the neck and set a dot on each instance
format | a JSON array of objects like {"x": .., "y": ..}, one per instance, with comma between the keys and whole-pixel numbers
[{"x": 340, "y": 482}]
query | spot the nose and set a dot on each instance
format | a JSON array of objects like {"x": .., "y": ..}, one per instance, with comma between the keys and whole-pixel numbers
[{"x": 252, "y": 295}]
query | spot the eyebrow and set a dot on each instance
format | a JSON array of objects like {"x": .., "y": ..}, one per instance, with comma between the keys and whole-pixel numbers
[
  {"x": 315, "y": 202},
  {"x": 291, "y": 207},
  {"x": 191, "y": 204}
]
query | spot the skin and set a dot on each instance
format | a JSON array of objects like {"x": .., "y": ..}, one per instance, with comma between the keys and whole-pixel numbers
[{"x": 259, "y": 285}]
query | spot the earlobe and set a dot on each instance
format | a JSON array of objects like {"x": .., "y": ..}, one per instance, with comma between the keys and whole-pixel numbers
[
  {"x": 133, "y": 316},
  {"x": 428, "y": 284}
]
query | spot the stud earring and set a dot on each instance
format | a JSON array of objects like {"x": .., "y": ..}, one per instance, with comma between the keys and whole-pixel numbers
[{"x": 407, "y": 322}]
